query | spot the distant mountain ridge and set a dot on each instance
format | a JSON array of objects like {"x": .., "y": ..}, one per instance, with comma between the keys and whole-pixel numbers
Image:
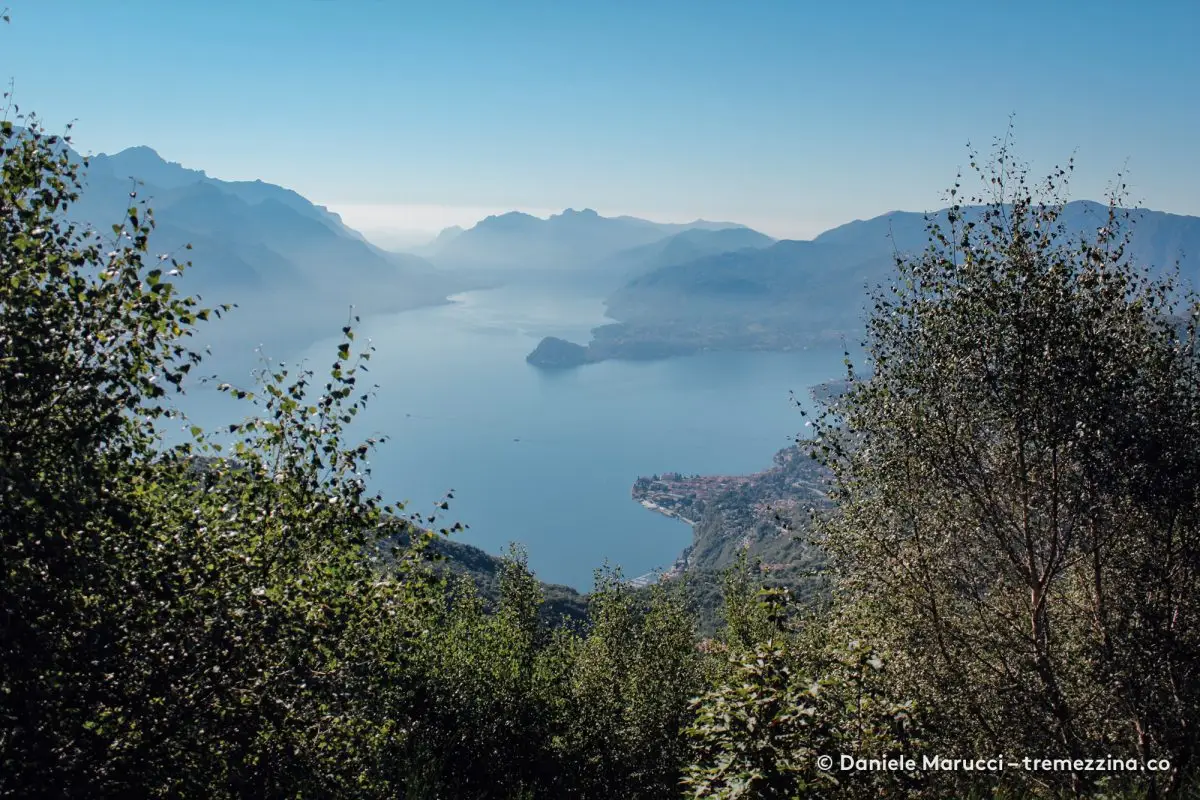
[
  {"x": 1160, "y": 238},
  {"x": 293, "y": 267},
  {"x": 144, "y": 164},
  {"x": 517, "y": 242},
  {"x": 790, "y": 294},
  {"x": 687, "y": 245},
  {"x": 445, "y": 235}
]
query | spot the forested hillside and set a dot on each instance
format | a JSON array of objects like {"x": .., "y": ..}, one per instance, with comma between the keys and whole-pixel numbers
[
  {"x": 765, "y": 515},
  {"x": 761, "y": 524},
  {"x": 764, "y": 519}
]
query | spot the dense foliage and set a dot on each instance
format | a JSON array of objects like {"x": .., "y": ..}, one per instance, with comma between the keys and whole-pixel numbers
[
  {"x": 1013, "y": 556},
  {"x": 182, "y": 620},
  {"x": 1018, "y": 507}
]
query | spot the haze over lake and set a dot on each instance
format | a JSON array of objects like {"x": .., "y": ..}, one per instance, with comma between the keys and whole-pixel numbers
[{"x": 547, "y": 459}]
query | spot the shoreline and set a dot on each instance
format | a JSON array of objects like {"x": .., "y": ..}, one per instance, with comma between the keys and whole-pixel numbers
[
  {"x": 666, "y": 512},
  {"x": 680, "y": 564}
]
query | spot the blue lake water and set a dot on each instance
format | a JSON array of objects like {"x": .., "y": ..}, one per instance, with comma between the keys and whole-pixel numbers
[{"x": 548, "y": 459}]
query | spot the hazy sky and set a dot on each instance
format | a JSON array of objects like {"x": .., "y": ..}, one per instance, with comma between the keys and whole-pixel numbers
[{"x": 790, "y": 116}]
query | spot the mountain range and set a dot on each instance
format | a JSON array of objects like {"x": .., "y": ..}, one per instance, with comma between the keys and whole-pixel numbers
[
  {"x": 573, "y": 244},
  {"x": 293, "y": 267},
  {"x": 296, "y": 268},
  {"x": 790, "y": 294}
]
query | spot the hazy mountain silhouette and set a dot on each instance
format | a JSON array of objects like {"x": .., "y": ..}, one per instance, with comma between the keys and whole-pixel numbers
[
  {"x": 518, "y": 243},
  {"x": 795, "y": 292},
  {"x": 828, "y": 275},
  {"x": 294, "y": 267},
  {"x": 798, "y": 282},
  {"x": 677, "y": 227},
  {"x": 1159, "y": 238},
  {"x": 443, "y": 238},
  {"x": 688, "y": 245},
  {"x": 144, "y": 164}
]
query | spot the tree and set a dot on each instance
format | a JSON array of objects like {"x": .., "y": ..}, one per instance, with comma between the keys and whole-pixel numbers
[
  {"x": 174, "y": 620},
  {"x": 89, "y": 336},
  {"x": 631, "y": 678},
  {"x": 793, "y": 689},
  {"x": 1017, "y": 481}
]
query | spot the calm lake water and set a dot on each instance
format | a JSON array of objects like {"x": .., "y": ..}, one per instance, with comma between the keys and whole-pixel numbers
[{"x": 547, "y": 459}]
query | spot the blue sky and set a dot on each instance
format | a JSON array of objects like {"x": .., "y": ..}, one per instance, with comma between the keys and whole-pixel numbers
[{"x": 789, "y": 116}]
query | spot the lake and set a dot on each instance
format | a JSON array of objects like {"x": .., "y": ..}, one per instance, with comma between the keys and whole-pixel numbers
[{"x": 548, "y": 459}]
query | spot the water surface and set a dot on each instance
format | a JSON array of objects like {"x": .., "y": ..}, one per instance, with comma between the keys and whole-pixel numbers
[{"x": 547, "y": 459}]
